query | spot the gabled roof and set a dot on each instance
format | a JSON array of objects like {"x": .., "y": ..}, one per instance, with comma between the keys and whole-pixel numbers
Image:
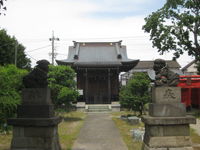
[
  {"x": 149, "y": 64},
  {"x": 188, "y": 65},
  {"x": 98, "y": 54}
]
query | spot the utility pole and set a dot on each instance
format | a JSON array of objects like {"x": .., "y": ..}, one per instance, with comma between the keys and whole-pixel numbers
[
  {"x": 52, "y": 39},
  {"x": 16, "y": 52}
]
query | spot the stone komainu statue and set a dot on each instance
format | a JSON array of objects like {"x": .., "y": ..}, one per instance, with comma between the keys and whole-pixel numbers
[
  {"x": 38, "y": 77},
  {"x": 164, "y": 76}
]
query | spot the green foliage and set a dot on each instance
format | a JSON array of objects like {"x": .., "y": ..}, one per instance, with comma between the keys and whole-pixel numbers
[
  {"x": 10, "y": 90},
  {"x": 62, "y": 85},
  {"x": 2, "y": 7},
  {"x": 5, "y": 127},
  {"x": 7, "y": 51},
  {"x": 175, "y": 27},
  {"x": 135, "y": 94}
]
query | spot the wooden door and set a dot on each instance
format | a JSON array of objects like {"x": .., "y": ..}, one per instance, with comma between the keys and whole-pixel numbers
[{"x": 98, "y": 90}]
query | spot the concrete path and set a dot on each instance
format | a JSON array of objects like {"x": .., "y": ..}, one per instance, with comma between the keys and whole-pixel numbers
[
  {"x": 99, "y": 133},
  {"x": 196, "y": 126}
]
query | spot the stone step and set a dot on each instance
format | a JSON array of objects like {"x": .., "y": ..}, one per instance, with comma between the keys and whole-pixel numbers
[
  {"x": 102, "y": 112},
  {"x": 98, "y": 108}
]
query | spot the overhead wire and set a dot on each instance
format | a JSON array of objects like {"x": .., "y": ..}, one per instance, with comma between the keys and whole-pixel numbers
[{"x": 39, "y": 48}]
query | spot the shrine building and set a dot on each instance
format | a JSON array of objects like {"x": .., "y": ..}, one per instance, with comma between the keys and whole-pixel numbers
[{"x": 97, "y": 66}]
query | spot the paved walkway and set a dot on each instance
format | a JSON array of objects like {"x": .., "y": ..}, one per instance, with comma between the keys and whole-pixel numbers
[{"x": 99, "y": 133}]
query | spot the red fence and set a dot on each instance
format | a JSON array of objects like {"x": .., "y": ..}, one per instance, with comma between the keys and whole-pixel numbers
[{"x": 190, "y": 89}]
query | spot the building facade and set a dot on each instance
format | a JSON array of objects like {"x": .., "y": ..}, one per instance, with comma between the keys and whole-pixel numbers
[
  {"x": 190, "y": 68},
  {"x": 97, "y": 66}
]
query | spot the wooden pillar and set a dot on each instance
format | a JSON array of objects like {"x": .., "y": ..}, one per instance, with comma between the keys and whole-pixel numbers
[
  {"x": 109, "y": 87},
  {"x": 86, "y": 87}
]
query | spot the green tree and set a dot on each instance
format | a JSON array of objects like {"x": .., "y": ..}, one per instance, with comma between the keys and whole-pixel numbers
[
  {"x": 7, "y": 51},
  {"x": 176, "y": 26},
  {"x": 10, "y": 90},
  {"x": 62, "y": 85},
  {"x": 135, "y": 94},
  {"x": 197, "y": 66}
]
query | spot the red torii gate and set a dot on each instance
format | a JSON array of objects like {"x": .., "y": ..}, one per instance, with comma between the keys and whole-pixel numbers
[{"x": 190, "y": 89}]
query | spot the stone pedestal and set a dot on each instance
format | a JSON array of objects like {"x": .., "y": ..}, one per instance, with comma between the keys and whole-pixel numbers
[
  {"x": 35, "y": 126},
  {"x": 167, "y": 126}
]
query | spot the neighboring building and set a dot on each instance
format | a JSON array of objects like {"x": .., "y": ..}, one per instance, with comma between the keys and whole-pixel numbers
[
  {"x": 144, "y": 66},
  {"x": 190, "y": 69},
  {"x": 98, "y": 65}
]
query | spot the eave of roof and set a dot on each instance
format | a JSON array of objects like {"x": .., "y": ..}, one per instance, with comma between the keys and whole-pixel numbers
[{"x": 188, "y": 65}]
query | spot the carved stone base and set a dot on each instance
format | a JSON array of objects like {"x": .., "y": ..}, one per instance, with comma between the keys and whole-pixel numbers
[
  {"x": 146, "y": 147},
  {"x": 30, "y": 138},
  {"x": 35, "y": 133},
  {"x": 165, "y": 133}
]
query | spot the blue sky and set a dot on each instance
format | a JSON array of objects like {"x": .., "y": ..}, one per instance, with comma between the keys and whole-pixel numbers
[
  {"x": 123, "y": 8},
  {"x": 32, "y": 23}
]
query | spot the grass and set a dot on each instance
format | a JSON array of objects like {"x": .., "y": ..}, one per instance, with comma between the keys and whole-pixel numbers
[
  {"x": 195, "y": 138},
  {"x": 124, "y": 130},
  {"x": 69, "y": 128},
  {"x": 5, "y": 141},
  {"x": 197, "y": 115}
]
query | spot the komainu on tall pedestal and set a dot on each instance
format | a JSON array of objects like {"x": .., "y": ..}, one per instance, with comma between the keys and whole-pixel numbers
[
  {"x": 167, "y": 126},
  {"x": 35, "y": 126}
]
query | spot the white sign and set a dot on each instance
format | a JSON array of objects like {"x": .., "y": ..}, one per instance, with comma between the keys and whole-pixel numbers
[{"x": 80, "y": 91}]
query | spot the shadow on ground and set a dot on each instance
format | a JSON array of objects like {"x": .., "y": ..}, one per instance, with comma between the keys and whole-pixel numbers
[{"x": 72, "y": 119}]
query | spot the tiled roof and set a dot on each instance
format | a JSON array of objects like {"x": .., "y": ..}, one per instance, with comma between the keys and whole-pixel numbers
[
  {"x": 98, "y": 54},
  {"x": 149, "y": 64}
]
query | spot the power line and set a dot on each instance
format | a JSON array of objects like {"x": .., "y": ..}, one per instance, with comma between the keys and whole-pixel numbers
[
  {"x": 62, "y": 54},
  {"x": 30, "y": 56},
  {"x": 39, "y": 48}
]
